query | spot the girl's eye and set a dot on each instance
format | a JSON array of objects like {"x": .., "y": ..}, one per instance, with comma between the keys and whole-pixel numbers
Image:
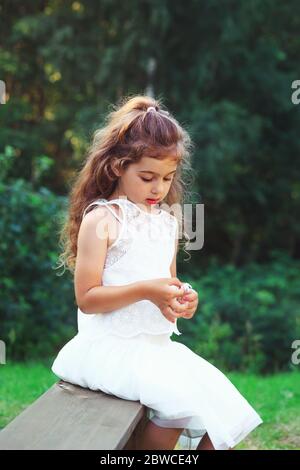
[{"x": 166, "y": 179}]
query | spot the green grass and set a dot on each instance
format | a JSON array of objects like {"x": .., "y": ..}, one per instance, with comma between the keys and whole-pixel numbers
[
  {"x": 276, "y": 398},
  {"x": 20, "y": 385}
]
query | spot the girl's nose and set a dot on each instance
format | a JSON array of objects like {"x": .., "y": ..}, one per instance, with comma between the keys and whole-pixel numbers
[{"x": 158, "y": 189}]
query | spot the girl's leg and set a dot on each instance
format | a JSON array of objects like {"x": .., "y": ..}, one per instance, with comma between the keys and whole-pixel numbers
[
  {"x": 206, "y": 444},
  {"x": 158, "y": 438}
]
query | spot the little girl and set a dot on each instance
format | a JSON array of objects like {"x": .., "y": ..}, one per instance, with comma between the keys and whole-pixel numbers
[{"x": 121, "y": 242}]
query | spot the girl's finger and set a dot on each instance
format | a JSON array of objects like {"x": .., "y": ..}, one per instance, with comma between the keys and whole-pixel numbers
[
  {"x": 175, "y": 282},
  {"x": 191, "y": 310},
  {"x": 190, "y": 296},
  {"x": 172, "y": 314},
  {"x": 192, "y": 305},
  {"x": 178, "y": 307},
  {"x": 179, "y": 292},
  {"x": 188, "y": 315}
]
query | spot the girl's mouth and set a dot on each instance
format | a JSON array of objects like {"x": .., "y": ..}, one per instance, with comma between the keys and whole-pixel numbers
[{"x": 152, "y": 201}]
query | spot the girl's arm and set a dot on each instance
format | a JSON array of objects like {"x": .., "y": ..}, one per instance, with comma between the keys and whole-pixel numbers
[
  {"x": 104, "y": 299},
  {"x": 91, "y": 296}
]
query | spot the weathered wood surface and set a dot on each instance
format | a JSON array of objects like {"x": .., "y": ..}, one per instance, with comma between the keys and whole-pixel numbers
[{"x": 71, "y": 417}]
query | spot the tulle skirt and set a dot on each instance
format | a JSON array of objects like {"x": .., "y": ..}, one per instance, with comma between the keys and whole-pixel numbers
[{"x": 179, "y": 388}]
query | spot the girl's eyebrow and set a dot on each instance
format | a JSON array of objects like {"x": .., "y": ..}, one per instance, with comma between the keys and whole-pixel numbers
[{"x": 153, "y": 172}]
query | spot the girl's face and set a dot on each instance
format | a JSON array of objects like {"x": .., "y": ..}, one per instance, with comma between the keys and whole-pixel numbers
[{"x": 146, "y": 180}]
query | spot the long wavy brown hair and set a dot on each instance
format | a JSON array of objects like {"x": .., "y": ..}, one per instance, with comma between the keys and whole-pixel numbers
[{"x": 128, "y": 134}]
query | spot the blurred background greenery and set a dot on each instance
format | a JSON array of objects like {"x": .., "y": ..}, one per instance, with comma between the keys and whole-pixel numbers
[{"x": 225, "y": 70}]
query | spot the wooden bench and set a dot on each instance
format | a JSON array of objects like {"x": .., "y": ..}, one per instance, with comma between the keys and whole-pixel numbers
[{"x": 71, "y": 417}]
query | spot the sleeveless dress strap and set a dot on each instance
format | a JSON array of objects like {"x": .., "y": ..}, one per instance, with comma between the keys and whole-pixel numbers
[{"x": 101, "y": 202}]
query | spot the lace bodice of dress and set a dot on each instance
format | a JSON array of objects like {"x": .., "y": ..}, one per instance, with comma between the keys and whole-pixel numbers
[{"x": 143, "y": 250}]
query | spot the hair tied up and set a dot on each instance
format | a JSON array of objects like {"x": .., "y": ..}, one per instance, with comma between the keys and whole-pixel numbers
[
  {"x": 154, "y": 108},
  {"x": 151, "y": 108}
]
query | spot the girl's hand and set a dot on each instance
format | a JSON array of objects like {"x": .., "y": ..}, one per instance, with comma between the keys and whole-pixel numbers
[
  {"x": 193, "y": 300},
  {"x": 163, "y": 294}
]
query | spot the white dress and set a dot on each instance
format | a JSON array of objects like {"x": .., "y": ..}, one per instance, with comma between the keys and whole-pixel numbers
[{"x": 129, "y": 352}]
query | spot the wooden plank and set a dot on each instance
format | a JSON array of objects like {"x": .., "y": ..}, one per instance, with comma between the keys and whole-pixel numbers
[
  {"x": 134, "y": 440},
  {"x": 71, "y": 417}
]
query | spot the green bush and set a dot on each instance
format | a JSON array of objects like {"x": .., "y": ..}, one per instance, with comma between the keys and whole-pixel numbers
[
  {"x": 247, "y": 317},
  {"x": 37, "y": 308}
]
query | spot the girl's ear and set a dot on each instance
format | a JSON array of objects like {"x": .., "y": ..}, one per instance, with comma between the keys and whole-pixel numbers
[{"x": 115, "y": 169}]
